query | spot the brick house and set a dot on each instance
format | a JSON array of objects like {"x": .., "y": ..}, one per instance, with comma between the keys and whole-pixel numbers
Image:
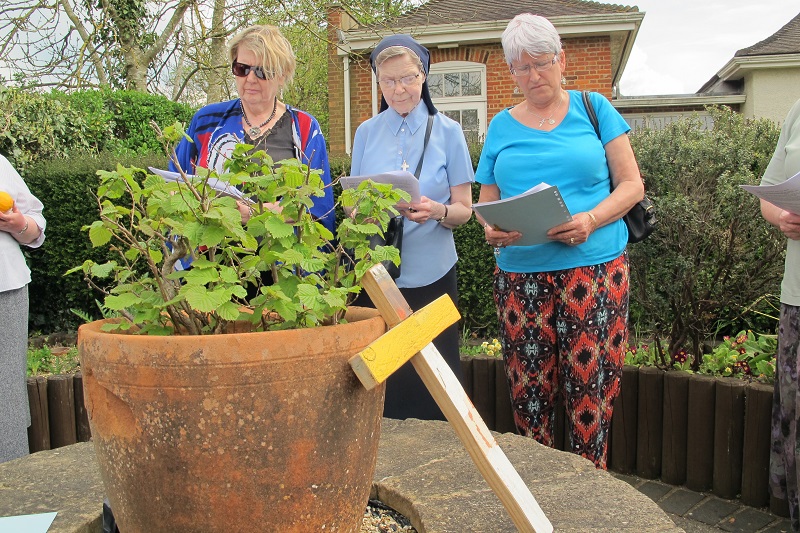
[{"x": 469, "y": 78}]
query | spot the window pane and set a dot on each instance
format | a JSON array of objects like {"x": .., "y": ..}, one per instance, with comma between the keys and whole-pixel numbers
[
  {"x": 469, "y": 119},
  {"x": 454, "y": 114},
  {"x": 452, "y": 84},
  {"x": 471, "y": 83},
  {"x": 435, "y": 85}
]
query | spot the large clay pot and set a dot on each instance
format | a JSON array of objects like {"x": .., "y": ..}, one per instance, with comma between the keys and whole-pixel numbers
[{"x": 242, "y": 432}]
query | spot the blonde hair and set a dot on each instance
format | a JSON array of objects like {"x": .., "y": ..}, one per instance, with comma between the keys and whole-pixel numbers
[{"x": 272, "y": 49}]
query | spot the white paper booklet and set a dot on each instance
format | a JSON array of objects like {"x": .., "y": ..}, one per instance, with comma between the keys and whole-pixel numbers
[
  {"x": 400, "y": 179},
  {"x": 785, "y": 195},
  {"x": 214, "y": 183},
  {"x": 532, "y": 213}
]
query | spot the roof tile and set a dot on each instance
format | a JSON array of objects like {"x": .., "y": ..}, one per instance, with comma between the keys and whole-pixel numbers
[
  {"x": 464, "y": 11},
  {"x": 784, "y": 41}
]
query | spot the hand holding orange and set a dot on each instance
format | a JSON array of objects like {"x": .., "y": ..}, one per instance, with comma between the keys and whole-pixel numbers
[{"x": 6, "y": 202}]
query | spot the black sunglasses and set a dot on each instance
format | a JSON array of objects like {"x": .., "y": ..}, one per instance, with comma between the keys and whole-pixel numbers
[{"x": 241, "y": 70}]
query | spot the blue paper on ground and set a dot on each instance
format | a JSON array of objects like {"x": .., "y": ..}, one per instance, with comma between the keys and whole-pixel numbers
[{"x": 30, "y": 523}]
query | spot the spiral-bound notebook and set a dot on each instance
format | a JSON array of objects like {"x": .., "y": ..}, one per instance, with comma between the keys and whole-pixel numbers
[{"x": 532, "y": 213}]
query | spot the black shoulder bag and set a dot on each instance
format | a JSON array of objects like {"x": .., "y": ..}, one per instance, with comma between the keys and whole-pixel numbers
[
  {"x": 641, "y": 219},
  {"x": 393, "y": 236}
]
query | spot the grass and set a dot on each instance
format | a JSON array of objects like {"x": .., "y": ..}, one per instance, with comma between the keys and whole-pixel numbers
[{"x": 52, "y": 360}]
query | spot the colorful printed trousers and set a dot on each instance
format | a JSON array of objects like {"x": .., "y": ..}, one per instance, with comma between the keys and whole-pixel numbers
[
  {"x": 565, "y": 333},
  {"x": 783, "y": 466}
]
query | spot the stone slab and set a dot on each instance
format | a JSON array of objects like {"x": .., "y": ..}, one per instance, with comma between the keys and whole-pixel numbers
[
  {"x": 65, "y": 480},
  {"x": 423, "y": 472}
]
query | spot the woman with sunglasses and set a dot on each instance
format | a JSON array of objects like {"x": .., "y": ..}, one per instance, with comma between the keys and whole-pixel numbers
[
  {"x": 395, "y": 139},
  {"x": 562, "y": 305},
  {"x": 263, "y": 63}
]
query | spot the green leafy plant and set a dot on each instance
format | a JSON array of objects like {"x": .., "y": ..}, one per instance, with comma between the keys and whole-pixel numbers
[
  {"x": 745, "y": 354},
  {"x": 470, "y": 344},
  {"x": 152, "y": 225},
  {"x": 51, "y": 360}
]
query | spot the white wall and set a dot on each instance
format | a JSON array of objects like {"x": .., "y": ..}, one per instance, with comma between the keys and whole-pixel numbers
[{"x": 771, "y": 92}]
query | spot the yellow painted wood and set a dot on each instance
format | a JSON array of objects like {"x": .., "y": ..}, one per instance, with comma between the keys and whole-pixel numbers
[
  {"x": 489, "y": 458},
  {"x": 391, "y": 351}
]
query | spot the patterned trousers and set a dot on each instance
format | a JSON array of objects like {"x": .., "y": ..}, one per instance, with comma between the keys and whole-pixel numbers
[
  {"x": 783, "y": 472},
  {"x": 565, "y": 333}
]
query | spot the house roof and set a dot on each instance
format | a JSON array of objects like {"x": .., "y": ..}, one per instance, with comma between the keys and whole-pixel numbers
[
  {"x": 779, "y": 50},
  {"x": 464, "y": 11},
  {"x": 784, "y": 41}
]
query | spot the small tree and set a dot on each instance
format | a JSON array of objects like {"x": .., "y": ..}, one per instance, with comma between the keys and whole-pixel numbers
[{"x": 712, "y": 254}]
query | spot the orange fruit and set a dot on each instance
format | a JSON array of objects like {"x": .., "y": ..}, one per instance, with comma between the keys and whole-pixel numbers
[{"x": 6, "y": 202}]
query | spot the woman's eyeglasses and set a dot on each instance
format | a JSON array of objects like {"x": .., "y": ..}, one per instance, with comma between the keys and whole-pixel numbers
[
  {"x": 406, "y": 81},
  {"x": 241, "y": 70},
  {"x": 538, "y": 66}
]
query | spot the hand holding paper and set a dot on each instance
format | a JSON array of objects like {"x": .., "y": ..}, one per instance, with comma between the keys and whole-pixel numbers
[{"x": 531, "y": 213}]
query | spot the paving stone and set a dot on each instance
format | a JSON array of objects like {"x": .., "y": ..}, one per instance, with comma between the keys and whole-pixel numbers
[
  {"x": 630, "y": 480},
  {"x": 712, "y": 510},
  {"x": 781, "y": 526},
  {"x": 654, "y": 490},
  {"x": 746, "y": 521},
  {"x": 680, "y": 501}
]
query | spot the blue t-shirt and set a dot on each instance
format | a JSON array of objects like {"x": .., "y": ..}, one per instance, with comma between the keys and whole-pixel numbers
[
  {"x": 516, "y": 157},
  {"x": 386, "y": 141}
]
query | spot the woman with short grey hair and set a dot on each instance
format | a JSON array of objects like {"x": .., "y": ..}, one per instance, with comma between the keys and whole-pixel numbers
[{"x": 562, "y": 305}]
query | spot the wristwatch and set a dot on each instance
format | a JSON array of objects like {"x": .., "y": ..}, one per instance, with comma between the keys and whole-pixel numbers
[{"x": 443, "y": 216}]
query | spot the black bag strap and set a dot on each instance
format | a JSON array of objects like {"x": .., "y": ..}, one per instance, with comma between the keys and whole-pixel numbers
[
  {"x": 587, "y": 103},
  {"x": 424, "y": 145}
]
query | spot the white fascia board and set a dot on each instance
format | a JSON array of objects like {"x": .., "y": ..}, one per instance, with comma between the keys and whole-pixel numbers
[
  {"x": 450, "y": 35},
  {"x": 736, "y": 67},
  {"x": 633, "y": 102}
]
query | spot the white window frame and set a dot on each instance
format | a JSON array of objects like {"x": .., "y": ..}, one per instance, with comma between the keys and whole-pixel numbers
[{"x": 463, "y": 102}]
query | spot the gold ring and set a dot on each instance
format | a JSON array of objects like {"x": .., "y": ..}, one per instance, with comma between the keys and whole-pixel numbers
[{"x": 572, "y": 240}]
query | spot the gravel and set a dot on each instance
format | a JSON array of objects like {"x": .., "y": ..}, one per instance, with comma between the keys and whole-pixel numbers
[{"x": 381, "y": 518}]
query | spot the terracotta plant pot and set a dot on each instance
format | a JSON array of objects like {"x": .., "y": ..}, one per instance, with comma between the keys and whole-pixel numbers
[{"x": 237, "y": 432}]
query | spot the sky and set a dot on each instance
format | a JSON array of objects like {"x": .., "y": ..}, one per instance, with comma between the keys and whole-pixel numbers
[{"x": 682, "y": 44}]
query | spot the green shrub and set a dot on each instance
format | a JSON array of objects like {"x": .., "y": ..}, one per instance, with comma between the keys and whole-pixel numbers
[
  {"x": 712, "y": 254},
  {"x": 59, "y": 125},
  {"x": 40, "y": 127},
  {"x": 126, "y": 117},
  {"x": 64, "y": 186}
]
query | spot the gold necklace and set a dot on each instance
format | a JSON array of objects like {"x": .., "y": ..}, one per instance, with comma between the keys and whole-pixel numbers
[
  {"x": 255, "y": 131},
  {"x": 549, "y": 119}
]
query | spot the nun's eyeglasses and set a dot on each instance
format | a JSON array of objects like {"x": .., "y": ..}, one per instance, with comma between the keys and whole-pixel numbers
[
  {"x": 406, "y": 81},
  {"x": 241, "y": 70}
]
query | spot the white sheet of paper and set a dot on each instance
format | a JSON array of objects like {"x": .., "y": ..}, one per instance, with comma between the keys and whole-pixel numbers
[
  {"x": 214, "y": 183},
  {"x": 785, "y": 195},
  {"x": 400, "y": 179},
  {"x": 29, "y": 523}
]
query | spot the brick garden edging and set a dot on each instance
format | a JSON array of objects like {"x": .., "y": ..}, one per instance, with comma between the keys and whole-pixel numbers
[{"x": 709, "y": 434}]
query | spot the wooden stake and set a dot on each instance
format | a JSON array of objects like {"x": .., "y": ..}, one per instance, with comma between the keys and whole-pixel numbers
[{"x": 445, "y": 388}]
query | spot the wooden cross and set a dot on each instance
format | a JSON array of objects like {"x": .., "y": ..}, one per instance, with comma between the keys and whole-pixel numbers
[{"x": 410, "y": 340}]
